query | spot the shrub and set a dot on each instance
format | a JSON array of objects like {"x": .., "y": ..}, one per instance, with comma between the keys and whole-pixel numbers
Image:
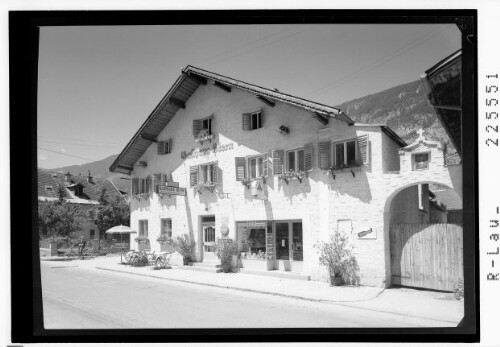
[
  {"x": 336, "y": 256},
  {"x": 185, "y": 245},
  {"x": 458, "y": 289},
  {"x": 225, "y": 249}
]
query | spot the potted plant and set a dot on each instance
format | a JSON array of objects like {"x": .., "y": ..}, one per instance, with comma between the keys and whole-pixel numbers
[
  {"x": 336, "y": 256},
  {"x": 204, "y": 135},
  {"x": 225, "y": 249},
  {"x": 292, "y": 174},
  {"x": 185, "y": 245},
  {"x": 209, "y": 185}
]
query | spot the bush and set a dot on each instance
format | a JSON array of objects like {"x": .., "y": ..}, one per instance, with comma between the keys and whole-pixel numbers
[
  {"x": 458, "y": 289},
  {"x": 185, "y": 246},
  {"x": 336, "y": 256},
  {"x": 225, "y": 249}
]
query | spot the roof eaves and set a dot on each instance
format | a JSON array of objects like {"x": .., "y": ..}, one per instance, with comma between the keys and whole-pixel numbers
[
  {"x": 388, "y": 131},
  {"x": 146, "y": 122}
]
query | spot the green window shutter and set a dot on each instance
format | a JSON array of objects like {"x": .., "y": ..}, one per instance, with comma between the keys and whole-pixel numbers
[
  {"x": 196, "y": 127},
  {"x": 363, "y": 150},
  {"x": 240, "y": 165},
  {"x": 169, "y": 146},
  {"x": 161, "y": 147},
  {"x": 278, "y": 161},
  {"x": 324, "y": 155},
  {"x": 215, "y": 173},
  {"x": 308, "y": 157},
  {"x": 156, "y": 181},
  {"x": 193, "y": 176},
  {"x": 247, "y": 124},
  {"x": 264, "y": 164},
  {"x": 135, "y": 186}
]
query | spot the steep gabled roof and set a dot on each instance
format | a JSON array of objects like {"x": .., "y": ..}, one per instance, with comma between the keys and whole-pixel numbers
[
  {"x": 185, "y": 85},
  {"x": 91, "y": 191}
]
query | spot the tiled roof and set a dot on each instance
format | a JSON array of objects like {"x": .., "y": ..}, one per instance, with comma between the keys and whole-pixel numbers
[
  {"x": 450, "y": 198},
  {"x": 182, "y": 89},
  {"x": 91, "y": 191}
]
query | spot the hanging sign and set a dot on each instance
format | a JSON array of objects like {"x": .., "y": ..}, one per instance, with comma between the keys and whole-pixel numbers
[
  {"x": 172, "y": 184},
  {"x": 171, "y": 190}
]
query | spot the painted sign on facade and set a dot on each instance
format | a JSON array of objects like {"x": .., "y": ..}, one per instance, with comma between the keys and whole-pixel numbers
[
  {"x": 171, "y": 190},
  {"x": 198, "y": 152}
]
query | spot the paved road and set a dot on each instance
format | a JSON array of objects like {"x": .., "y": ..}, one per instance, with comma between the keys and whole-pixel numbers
[{"x": 80, "y": 298}]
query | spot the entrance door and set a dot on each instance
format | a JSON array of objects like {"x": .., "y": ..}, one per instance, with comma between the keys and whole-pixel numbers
[
  {"x": 289, "y": 244},
  {"x": 208, "y": 231}
]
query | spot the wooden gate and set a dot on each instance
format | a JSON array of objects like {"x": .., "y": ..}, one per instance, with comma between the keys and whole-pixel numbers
[{"x": 426, "y": 255}]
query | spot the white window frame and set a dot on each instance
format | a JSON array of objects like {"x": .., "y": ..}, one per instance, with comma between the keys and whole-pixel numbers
[
  {"x": 143, "y": 184},
  {"x": 335, "y": 143},
  {"x": 414, "y": 162},
  {"x": 258, "y": 115},
  {"x": 143, "y": 222},
  {"x": 209, "y": 172},
  {"x": 296, "y": 168},
  {"x": 258, "y": 168},
  {"x": 169, "y": 230}
]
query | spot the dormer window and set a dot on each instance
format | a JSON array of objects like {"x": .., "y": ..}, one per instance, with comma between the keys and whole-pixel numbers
[{"x": 78, "y": 191}]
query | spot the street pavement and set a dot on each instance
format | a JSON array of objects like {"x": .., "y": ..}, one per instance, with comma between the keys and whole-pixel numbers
[{"x": 101, "y": 293}]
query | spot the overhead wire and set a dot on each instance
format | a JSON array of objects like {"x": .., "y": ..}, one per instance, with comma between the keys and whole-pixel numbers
[
  {"x": 68, "y": 155},
  {"x": 355, "y": 74},
  {"x": 206, "y": 60}
]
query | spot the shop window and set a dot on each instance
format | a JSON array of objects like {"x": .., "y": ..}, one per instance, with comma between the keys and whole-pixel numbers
[
  {"x": 295, "y": 160},
  {"x": 253, "y": 244},
  {"x": 166, "y": 227},
  {"x": 420, "y": 161},
  {"x": 345, "y": 153},
  {"x": 143, "y": 228}
]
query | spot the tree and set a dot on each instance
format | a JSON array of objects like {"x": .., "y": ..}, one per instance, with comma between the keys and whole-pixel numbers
[
  {"x": 59, "y": 219},
  {"x": 111, "y": 212}
]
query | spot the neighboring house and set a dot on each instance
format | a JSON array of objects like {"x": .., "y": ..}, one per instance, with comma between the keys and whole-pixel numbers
[
  {"x": 84, "y": 191},
  {"x": 277, "y": 173},
  {"x": 443, "y": 82}
]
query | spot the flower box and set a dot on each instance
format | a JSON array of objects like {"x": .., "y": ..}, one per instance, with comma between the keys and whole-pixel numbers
[
  {"x": 207, "y": 186},
  {"x": 248, "y": 181},
  {"x": 292, "y": 175},
  {"x": 352, "y": 168},
  {"x": 204, "y": 136}
]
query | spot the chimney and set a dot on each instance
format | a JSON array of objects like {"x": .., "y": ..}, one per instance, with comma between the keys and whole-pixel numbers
[{"x": 90, "y": 178}]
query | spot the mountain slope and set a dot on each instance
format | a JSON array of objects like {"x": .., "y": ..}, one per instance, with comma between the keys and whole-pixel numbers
[{"x": 405, "y": 109}]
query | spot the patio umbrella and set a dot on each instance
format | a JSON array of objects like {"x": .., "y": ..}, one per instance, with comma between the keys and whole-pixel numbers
[{"x": 120, "y": 229}]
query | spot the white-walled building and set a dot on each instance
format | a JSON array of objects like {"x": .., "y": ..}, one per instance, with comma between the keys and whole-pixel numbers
[{"x": 277, "y": 173}]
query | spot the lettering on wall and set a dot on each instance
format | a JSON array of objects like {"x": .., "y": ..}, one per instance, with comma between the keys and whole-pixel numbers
[{"x": 199, "y": 152}]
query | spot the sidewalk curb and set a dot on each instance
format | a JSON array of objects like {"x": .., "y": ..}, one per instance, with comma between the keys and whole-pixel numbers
[
  {"x": 238, "y": 288},
  {"x": 340, "y": 303}
]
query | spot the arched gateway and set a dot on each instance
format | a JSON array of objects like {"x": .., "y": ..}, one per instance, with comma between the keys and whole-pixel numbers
[{"x": 421, "y": 248}]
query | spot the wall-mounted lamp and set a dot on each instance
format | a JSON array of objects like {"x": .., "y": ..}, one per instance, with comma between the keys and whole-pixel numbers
[{"x": 283, "y": 130}]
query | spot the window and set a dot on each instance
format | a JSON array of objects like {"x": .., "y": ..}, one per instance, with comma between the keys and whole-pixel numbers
[
  {"x": 345, "y": 153},
  {"x": 166, "y": 227},
  {"x": 255, "y": 167},
  {"x": 421, "y": 161},
  {"x": 144, "y": 185},
  {"x": 252, "y": 120},
  {"x": 143, "y": 228},
  {"x": 206, "y": 124},
  {"x": 164, "y": 147},
  {"x": 202, "y": 124},
  {"x": 207, "y": 173},
  {"x": 295, "y": 160},
  {"x": 92, "y": 234}
]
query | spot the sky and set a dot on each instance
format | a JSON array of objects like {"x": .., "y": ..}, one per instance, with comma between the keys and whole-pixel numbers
[{"x": 97, "y": 85}]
